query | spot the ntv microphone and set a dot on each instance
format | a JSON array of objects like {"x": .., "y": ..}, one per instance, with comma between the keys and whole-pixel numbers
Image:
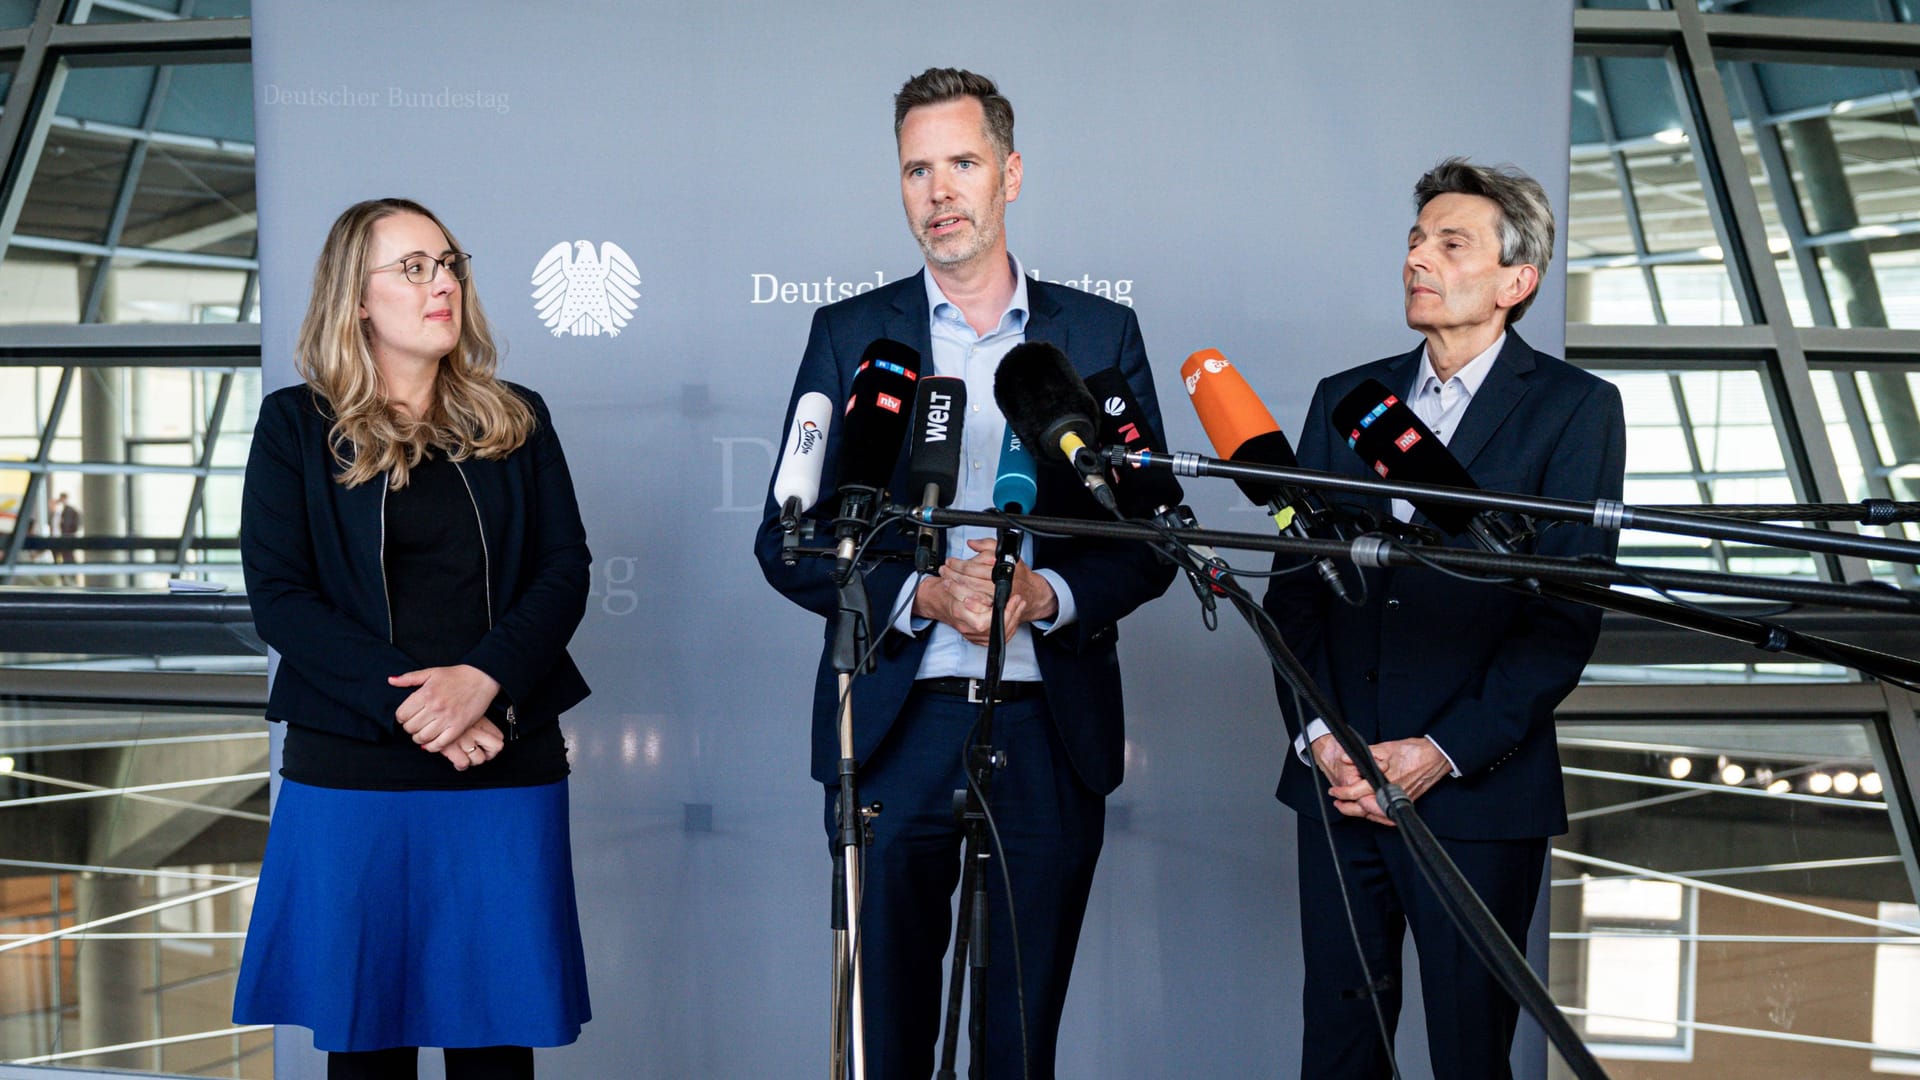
[
  {"x": 875, "y": 425},
  {"x": 1396, "y": 444},
  {"x": 1047, "y": 404},
  {"x": 933, "y": 462},
  {"x": 1242, "y": 430}
]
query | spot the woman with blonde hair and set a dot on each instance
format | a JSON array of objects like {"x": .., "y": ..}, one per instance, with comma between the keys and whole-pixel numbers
[{"x": 413, "y": 551}]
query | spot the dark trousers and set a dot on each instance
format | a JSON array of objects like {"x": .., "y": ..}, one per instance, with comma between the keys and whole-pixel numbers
[
  {"x": 1470, "y": 1018},
  {"x": 1051, "y": 827}
]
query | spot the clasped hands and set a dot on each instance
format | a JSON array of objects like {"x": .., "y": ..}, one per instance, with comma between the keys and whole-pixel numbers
[
  {"x": 1415, "y": 765},
  {"x": 961, "y": 595},
  {"x": 447, "y": 713}
]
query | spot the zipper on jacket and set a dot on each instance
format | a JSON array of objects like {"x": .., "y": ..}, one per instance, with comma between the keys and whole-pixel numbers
[
  {"x": 486, "y": 564},
  {"x": 386, "y": 483}
]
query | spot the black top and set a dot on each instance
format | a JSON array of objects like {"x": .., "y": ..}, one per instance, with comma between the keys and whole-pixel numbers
[{"x": 435, "y": 564}]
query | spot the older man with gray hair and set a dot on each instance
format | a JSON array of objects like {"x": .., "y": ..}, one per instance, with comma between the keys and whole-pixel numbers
[{"x": 1452, "y": 683}]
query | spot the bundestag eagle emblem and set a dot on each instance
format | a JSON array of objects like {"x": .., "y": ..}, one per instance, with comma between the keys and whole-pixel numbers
[{"x": 577, "y": 292}]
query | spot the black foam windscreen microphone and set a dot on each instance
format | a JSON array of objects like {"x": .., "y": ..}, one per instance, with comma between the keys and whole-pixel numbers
[
  {"x": 1141, "y": 491},
  {"x": 933, "y": 457},
  {"x": 1045, "y": 402},
  {"x": 1396, "y": 444},
  {"x": 878, "y": 409}
]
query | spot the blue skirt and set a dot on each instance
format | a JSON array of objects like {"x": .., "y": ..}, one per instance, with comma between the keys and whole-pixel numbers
[{"x": 417, "y": 918}]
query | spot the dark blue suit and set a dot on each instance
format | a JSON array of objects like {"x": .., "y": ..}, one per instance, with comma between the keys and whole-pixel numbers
[
  {"x": 1065, "y": 749},
  {"x": 1479, "y": 669}
]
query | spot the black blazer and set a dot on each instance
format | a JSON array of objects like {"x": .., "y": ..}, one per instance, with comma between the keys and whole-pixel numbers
[
  {"x": 1475, "y": 666},
  {"x": 1077, "y": 664},
  {"x": 312, "y": 552}
]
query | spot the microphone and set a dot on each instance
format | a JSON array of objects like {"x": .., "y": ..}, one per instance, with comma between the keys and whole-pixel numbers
[
  {"x": 875, "y": 426},
  {"x": 933, "y": 463},
  {"x": 796, "y": 486},
  {"x": 1242, "y": 430},
  {"x": 1015, "y": 486},
  {"x": 1395, "y": 443},
  {"x": 1045, "y": 401},
  {"x": 1141, "y": 492},
  {"x": 1144, "y": 492}
]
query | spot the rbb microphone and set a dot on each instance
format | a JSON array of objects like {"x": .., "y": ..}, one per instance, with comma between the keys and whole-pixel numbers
[
  {"x": 1045, "y": 401},
  {"x": 875, "y": 424},
  {"x": 1243, "y": 430},
  {"x": 933, "y": 462},
  {"x": 1141, "y": 492},
  {"x": 1015, "y": 486},
  {"x": 1391, "y": 438},
  {"x": 796, "y": 486}
]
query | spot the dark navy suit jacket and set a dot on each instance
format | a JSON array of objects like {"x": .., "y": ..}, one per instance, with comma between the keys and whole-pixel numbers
[
  {"x": 1077, "y": 663},
  {"x": 1477, "y": 667}
]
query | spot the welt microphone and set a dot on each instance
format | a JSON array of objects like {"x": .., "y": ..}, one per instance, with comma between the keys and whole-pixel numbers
[
  {"x": 1396, "y": 444},
  {"x": 1047, "y": 404},
  {"x": 933, "y": 461},
  {"x": 796, "y": 486},
  {"x": 874, "y": 426},
  {"x": 1242, "y": 430}
]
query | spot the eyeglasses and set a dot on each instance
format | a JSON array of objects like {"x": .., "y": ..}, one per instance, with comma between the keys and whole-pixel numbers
[{"x": 422, "y": 269}]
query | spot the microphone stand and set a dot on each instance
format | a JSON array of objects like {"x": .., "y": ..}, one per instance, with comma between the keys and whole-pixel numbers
[
  {"x": 1379, "y": 551},
  {"x": 853, "y": 635},
  {"x": 1476, "y": 924},
  {"x": 1602, "y": 513},
  {"x": 971, "y": 954}
]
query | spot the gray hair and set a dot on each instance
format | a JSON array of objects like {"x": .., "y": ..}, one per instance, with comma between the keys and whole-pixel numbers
[
  {"x": 1526, "y": 218},
  {"x": 937, "y": 86}
]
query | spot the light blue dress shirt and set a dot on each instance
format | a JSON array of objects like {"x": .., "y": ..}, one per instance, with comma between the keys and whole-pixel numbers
[{"x": 960, "y": 352}]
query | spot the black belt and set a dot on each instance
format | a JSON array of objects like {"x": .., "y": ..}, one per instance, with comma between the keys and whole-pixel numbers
[{"x": 955, "y": 686}]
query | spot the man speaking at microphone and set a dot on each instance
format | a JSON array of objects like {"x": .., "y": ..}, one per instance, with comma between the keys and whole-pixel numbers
[
  {"x": 1058, "y": 717},
  {"x": 1452, "y": 683}
]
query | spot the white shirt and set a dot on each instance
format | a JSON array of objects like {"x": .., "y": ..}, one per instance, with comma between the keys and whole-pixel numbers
[
  {"x": 960, "y": 352},
  {"x": 1440, "y": 405}
]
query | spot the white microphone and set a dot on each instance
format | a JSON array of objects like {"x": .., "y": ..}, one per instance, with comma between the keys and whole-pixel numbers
[{"x": 796, "y": 487}]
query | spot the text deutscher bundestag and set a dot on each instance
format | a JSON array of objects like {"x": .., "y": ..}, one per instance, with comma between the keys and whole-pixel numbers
[{"x": 386, "y": 97}]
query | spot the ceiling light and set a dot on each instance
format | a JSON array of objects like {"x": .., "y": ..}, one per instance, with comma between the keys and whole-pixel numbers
[
  {"x": 1845, "y": 783},
  {"x": 1870, "y": 784},
  {"x": 1732, "y": 774},
  {"x": 1780, "y": 786},
  {"x": 1819, "y": 783},
  {"x": 1679, "y": 768}
]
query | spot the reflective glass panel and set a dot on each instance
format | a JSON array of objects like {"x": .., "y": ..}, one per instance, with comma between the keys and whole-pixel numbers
[
  {"x": 1698, "y": 437},
  {"x": 130, "y": 841},
  {"x": 1637, "y": 205},
  {"x": 142, "y": 207},
  {"x": 1724, "y": 895}
]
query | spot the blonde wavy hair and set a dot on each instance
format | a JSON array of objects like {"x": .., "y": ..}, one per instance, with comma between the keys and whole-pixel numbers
[{"x": 473, "y": 413}]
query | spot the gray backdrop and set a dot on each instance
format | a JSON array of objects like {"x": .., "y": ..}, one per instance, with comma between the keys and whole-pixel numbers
[{"x": 1239, "y": 172}]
